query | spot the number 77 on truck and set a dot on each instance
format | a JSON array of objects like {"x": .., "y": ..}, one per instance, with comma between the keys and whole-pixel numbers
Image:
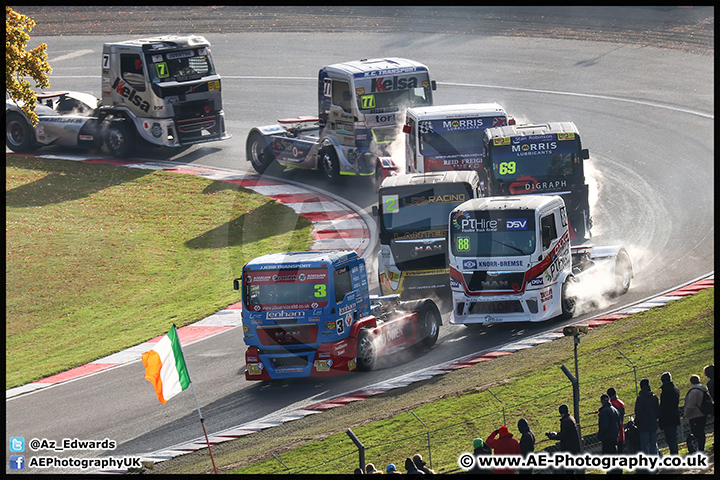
[{"x": 361, "y": 105}]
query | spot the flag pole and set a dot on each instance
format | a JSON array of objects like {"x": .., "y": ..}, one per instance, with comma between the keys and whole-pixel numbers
[{"x": 202, "y": 420}]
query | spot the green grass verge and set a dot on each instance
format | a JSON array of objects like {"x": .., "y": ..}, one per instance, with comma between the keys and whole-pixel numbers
[
  {"x": 457, "y": 407},
  {"x": 100, "y": 258}
]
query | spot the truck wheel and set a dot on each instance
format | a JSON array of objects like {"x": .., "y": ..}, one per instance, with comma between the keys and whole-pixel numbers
[
  {"x": 329, "y": 165},
  {"x": 258, "y": 152},
  {"x": 119, "y": 138},
  {"x": 623, "y": 273},
  {"x": 19, "y": 135},
  {"x": 567, "y": 302},
  {"x": 366, "y": 351},
  {"x": 429, "y": 321}
]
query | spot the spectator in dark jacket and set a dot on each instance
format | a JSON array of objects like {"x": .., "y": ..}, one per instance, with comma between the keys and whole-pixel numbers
[
  {"x": 568, "y": 434},
  {"x": 410, "y": 467},
  {"x": 693, "y": 415},
  {"x": 620, "y": 407},
  {"x": 480, "y": 448},
  {"x": 669, "y": 416},
  {"x": 608, "y": 425},
  {"x": 527, "y": 441},
  {"x": 647, "y": 409},
  {"x": 709, "y": 372},
  {"x": 421, "y": 465},
  {"x": 504, "y": 444}
]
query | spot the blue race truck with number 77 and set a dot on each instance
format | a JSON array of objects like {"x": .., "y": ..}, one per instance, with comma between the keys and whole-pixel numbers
[{"x": 310, "y": 314}]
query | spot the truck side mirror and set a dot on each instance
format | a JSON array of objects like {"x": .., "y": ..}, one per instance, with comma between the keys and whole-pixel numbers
[
  {"x": 433, "y": 84},
  {"x": 407, "y": 128},
  {"x": 375, "y": 211},
  {"x": 236, "y": 284},
  {"x": 585, "y": 153}
]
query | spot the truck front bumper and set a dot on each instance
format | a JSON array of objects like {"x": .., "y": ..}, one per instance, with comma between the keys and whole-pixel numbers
[
  {"x": 329, "y": 360},
  {"x": 531, "y": 306}
]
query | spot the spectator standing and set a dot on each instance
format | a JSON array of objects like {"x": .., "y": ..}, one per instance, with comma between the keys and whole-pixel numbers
[
  {"x": 695, "y": 417},
  {"x": 669, "y": 417},
  {"x": 410, "y": 468},
  {"x": 421, "y": 465},
  {"x": 568, "y": 435},
  {"x": 608, "y": 427},
  {"x": 620, "y": 407},
  {"x": 709, "y": 372},
  {"x": 480, "y": 448},
  {"x": 647, "y": 409},
  {"x": 527, "y": 442},
  {"x": 504, "y": 444}
]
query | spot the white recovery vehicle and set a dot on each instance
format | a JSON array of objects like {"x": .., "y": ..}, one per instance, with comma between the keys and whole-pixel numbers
[
  {"x": 361, "y": 106},
  {"x": 163, "y": 90},
  {"x": 511, "y": 261}
]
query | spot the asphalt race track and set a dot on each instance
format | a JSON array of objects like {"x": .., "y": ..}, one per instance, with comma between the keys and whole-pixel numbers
[{"x": 644, "y": 106}]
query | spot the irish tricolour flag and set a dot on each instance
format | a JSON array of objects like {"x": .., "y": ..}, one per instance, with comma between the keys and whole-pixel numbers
[{"x": 165, "y": 367}]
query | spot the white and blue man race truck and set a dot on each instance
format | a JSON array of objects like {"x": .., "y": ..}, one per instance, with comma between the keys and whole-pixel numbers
[
  {"x": 511, "y": 260},
  {"x": 361, "y": 106}
]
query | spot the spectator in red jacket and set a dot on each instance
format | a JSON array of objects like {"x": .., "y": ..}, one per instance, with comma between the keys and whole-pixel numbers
[{"x": 505, "y": 444}]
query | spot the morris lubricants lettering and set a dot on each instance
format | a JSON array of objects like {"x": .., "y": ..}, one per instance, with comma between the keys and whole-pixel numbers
[
  {"x": 448, "y": 198},
  {"x": 465, "y": 124},
  {"x": 382, "y": 84},
  {"x": 529, "y": 148},
  {"x": 131, "y": 94}
]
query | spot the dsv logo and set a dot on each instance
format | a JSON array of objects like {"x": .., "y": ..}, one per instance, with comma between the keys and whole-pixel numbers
[{"x": 516, "y": 224}]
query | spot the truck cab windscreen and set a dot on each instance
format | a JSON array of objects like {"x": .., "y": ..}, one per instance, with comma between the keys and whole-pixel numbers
[
  {"x": 392, "y": 93},
  {"x": 492, "y": 233},
  {"x": 285, "y": 289},
  {"x": 454, "y": 136},
  {"x": 425, "y": 208},
  {"x": 514, "y": 161},
  {"x": 180, "y": 66}
]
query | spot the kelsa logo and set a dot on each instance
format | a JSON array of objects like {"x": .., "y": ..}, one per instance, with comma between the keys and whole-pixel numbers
[
  {"x": 458, "y": 217},
  {"x": 131, "y": 94},
  {"x": 394, "y": 83}
]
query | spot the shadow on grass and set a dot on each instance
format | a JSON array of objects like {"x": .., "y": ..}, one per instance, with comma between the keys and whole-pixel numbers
[
  {"x": 269, "y": 220},
  {"x": 64, "y": 181}
]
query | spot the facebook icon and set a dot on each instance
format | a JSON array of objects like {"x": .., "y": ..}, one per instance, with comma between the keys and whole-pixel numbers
[{"x": 17, "y": 462}]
